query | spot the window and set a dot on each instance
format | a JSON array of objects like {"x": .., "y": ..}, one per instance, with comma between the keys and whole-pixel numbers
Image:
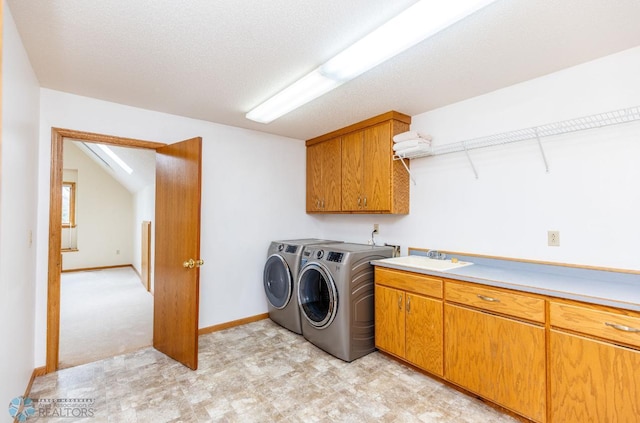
[{"x": 68, "y": 204}]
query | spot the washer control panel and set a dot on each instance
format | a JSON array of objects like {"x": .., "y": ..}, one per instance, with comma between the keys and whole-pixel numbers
[
  {"x": 335, "y": 257},
  {"x": 291, "y": 249}
]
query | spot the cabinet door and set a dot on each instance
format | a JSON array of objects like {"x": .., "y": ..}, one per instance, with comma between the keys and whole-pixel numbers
[
  {"x": 424, "y": 332},
  {"x": 500, "y": 359},
  {"x": 352, "y": 156},
  {"x": 314, "y": 177},
  {"x": 592, "y": 381},
  {"x": 389, "y": 320},
  {"x": 331, "y": 175},
  {"x": 377, "y": 160},
  {"x": 323, "y": 176}
]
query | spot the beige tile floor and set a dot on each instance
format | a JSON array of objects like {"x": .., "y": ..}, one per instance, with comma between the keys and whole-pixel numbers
[{"x": 258, "y": 372}]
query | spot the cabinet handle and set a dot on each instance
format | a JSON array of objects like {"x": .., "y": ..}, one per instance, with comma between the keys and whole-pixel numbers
[
  {"x": 400, "y": 302},
  {"x": 491, "y": 300},
  {"x": 318, "y": 204},
  {"x": 408, "y": 304},
  {"x": 359, "y": 201},
  {"x": 622, "y": 327},
  {"x": 365, "y": 202},
  {"x": 323, "y": 204}
]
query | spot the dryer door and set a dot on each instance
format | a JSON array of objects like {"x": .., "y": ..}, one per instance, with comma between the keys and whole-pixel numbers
[
  {"x": 278, "y": 284},
  {"x": 317, "y": 295}
]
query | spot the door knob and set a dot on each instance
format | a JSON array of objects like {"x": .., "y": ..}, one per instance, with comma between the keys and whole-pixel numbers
[{"x": 191, "y": 263}]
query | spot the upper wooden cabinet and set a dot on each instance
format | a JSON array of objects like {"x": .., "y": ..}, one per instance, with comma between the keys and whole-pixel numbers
[
  {"x": 370, "y": 181},
  {"x": 323, "y": 177}
]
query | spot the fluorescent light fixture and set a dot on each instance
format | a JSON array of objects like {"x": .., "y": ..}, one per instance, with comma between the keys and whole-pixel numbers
[
  {"x": 115, "y": 158},
  {"x": 304, "y": 90},
  {"x": 418, "y": 22}
]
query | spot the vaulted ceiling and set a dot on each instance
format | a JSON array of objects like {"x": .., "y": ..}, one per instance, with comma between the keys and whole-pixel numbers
[{"x": 215, "y": 60}]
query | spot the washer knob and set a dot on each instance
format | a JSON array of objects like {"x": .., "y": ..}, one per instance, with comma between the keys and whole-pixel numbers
[
  {"x": 280, "y": 247},
  {"x": 319, "y": 254}
]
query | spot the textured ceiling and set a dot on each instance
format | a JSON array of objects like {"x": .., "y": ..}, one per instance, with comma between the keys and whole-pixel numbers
[{"x": 215, "y": 60}]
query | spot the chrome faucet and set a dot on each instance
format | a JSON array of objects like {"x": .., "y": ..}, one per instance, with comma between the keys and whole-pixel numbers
[{"x": 435, "y": 254}]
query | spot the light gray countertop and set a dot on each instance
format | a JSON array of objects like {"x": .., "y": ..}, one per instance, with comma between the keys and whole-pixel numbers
[{"x": 616, "y": 289}]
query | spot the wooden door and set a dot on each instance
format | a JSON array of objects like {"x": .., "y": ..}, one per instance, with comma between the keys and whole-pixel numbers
[
  {"x": 176, "y": 288},
  {"x": 498, "y": 358},
  {"x": 352, "y": 171},
  {"x": 377, "y": 168},
  {"x": 390, "y": 320},
  {"x": 592, "y": 381},
  {"x": 424, "y": 333}
]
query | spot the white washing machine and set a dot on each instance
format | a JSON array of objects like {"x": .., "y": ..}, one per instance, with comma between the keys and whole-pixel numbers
[
  {"x": 336, "y": 297},
  {"x": 280, "y": 280}
]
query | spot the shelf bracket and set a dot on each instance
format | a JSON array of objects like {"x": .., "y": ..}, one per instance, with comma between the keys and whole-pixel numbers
[
  {"x": 544, "y": 157},
  {"x": 406, "y": 167},
  {"x": 466, "y": 151}
]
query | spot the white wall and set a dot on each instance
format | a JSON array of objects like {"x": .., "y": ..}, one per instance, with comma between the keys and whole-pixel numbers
[
  {"x": 253, "y": 191},
  {"x": 19, "y": 156},
  {"x": 104, "y": 215},
  {"x": 590, "y": 194}
]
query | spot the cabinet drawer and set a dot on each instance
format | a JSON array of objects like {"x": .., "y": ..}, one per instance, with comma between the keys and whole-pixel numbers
[
  {"x": 409, "y": 281},
  {"x": 512, "y": 304},
  {"x": 603, "y": 324}
]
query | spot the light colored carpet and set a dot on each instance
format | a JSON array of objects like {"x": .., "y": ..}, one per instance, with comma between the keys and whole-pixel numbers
[{"x": 103, "y": 313}]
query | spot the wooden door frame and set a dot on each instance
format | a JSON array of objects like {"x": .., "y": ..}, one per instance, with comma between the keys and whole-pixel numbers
[
  {"x": 58, "y": 135},
  {"x": 145, "y": 260}
]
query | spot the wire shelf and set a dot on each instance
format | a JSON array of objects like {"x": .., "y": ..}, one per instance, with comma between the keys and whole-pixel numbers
[{"x": 557, "y": 128}]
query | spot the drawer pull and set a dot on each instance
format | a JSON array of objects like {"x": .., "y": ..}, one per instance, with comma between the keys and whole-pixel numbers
[
  {"x": 491, "y": 300},
  {"x": 622, "y": 327}
]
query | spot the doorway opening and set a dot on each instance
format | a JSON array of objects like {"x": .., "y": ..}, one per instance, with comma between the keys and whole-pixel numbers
[
  {"x": 108, "y": 193},
  {"x": 58, "y": 136}
]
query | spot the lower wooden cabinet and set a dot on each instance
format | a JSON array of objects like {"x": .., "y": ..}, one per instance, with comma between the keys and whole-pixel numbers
[
  {"x": 592, "y": 381},
  {"x": 543, "y": 358},
  {"x": 498, "y": 358},
  {"x": 390, "y": 320},
  {"x": 410, "y": 326},
  {"x": 423, "y": 333}
]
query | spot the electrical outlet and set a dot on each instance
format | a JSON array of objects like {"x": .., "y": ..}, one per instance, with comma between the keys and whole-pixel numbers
[
  {"x": 553, "y": 238},
  {"x": 376, "y": 228}
]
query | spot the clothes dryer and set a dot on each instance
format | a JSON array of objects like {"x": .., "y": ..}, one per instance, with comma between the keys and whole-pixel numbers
[
  {"x": 336, "y": 297},
  {"x": 280, "y": 276}
]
